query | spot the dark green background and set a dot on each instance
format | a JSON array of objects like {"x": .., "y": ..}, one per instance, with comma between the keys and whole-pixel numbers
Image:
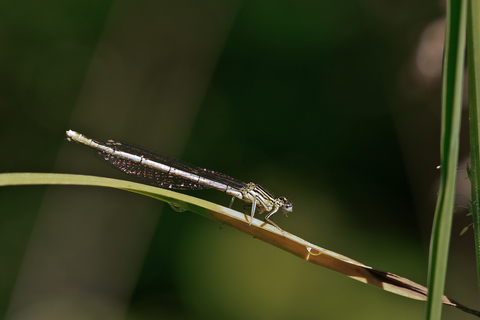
[{"x": 319, "y": 101}]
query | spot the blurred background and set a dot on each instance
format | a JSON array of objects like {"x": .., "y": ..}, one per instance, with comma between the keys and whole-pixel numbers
[{"x": 334, "y": 104}]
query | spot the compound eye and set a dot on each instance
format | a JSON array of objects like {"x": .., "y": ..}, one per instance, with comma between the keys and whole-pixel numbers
[{"x": 287, "y": 205}]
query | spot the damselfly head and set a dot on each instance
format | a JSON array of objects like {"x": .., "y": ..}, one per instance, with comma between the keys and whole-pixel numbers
[{"x": 287, "y": 205}]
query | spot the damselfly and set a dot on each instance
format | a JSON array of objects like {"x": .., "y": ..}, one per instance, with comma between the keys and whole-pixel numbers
[{"x": 170, "y": 173}]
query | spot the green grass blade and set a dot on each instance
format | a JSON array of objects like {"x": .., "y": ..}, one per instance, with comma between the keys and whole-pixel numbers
[
  {"x": 259, "y": 229},
  {"x": 473, "y": 51},
  {"x": 453, "y": 66},
  {"x": 178, "y": 199}
]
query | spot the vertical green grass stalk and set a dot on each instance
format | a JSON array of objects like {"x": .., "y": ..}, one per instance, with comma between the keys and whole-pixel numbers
[
  {"x": 453, "y": 65},
  {"x": 473, "y": 51}
]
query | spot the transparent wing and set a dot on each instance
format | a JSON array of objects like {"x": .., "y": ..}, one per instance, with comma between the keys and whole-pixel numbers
[{"x": 157, "y": 177}]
